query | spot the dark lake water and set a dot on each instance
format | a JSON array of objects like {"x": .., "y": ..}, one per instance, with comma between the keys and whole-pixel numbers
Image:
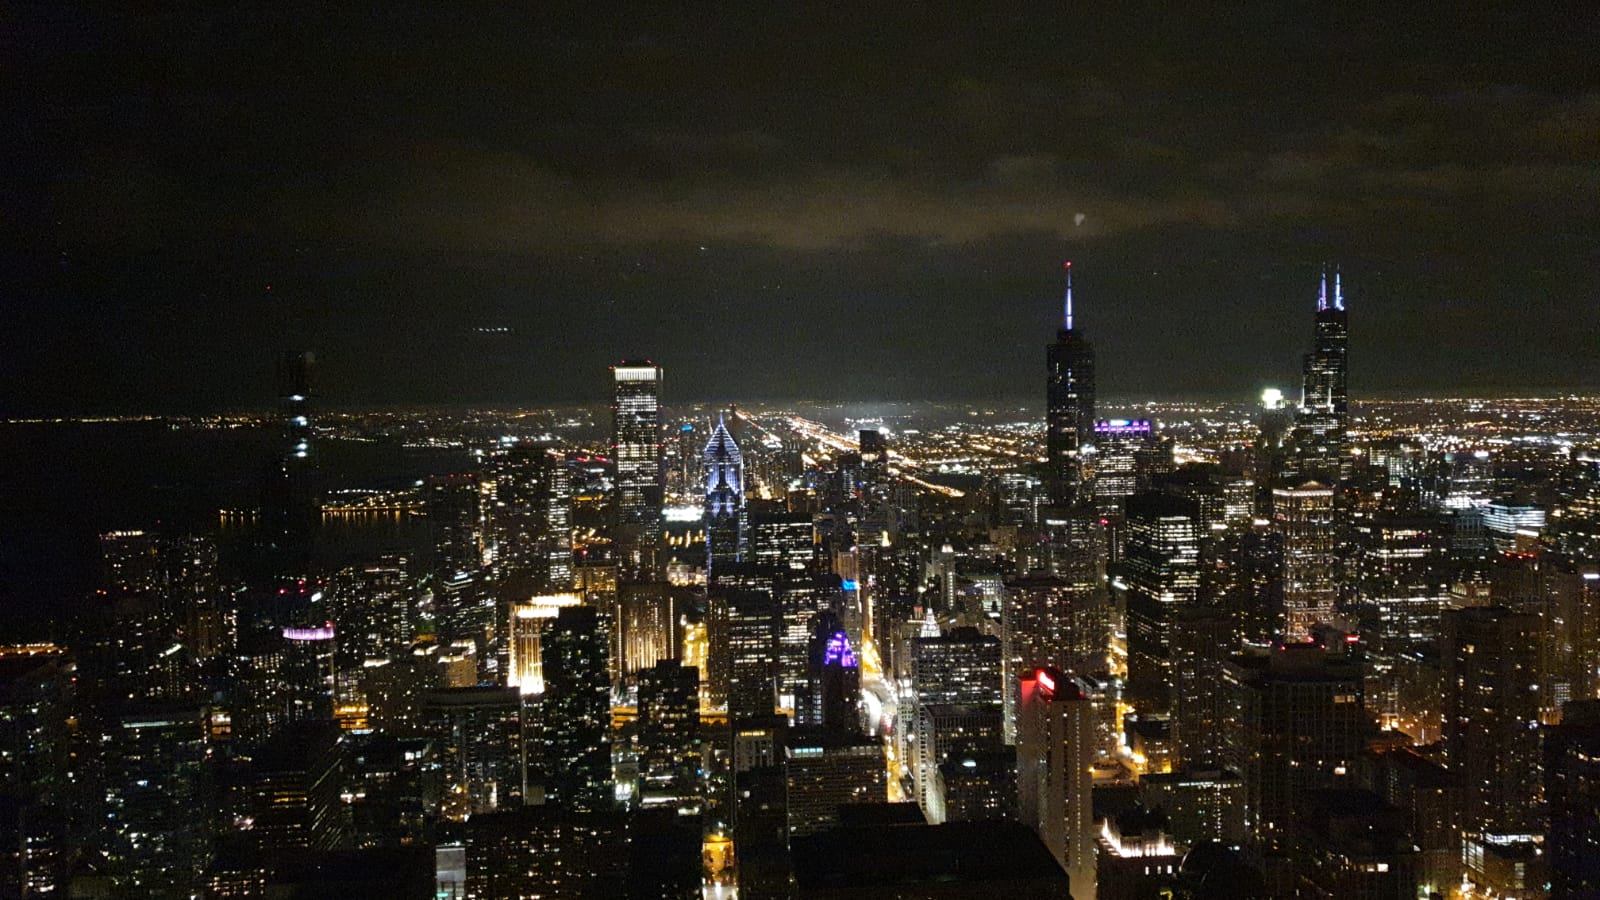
[{"x": 61, "y": 485}]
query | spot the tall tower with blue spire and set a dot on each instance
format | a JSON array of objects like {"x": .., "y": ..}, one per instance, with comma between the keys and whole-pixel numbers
[
  {"x": 1069, "y": 404},
  {"x": 725, "y": 510}
]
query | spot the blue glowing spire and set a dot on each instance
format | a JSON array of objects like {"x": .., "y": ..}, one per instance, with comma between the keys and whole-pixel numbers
[
  {"x": 1338, "y": 292},
  {"x": 1067, "y": 305},
  {"x": 1322, "y": 295}
]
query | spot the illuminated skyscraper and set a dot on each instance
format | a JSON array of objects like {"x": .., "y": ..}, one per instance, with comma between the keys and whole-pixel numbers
[
  {"x": 1572, "y": 787},
  {"x": 1069, "y": 404},
  {"x": 1300, "y": 724},
  {"x": 669, "y": 736},
  {"x": 481, "y": 740},
  {"x": 1051, "y": 622},
  {"x": 742, "y": 627},
  {"x": 1321, "y": 431},
  {"x": 636, "y": 451},
  {"x": 833, "y": 680},
  {"x": 525, "y": 654},
  {"x": 455, "y": 514},
  {"x": 1304, "y": 517},
  {"x": 1057, "y": 745},
  {"x": 962, "y": 666},
  {"x": 644, "y": 627},
  {"x": 825, "y": 770},
  {"x": 577, "y": 708},
  {"x": 960, "y": 669},
  {"x": 1117, "y": 448},
  {"x": 1162, "y": 564},
  {"x": 725, "y": 512},
  {"x": 874, "y": 454},
  {"x": 295, "y": 799},
  {"x": 1491, "y": 721},
  {"x": 532, "y": 523}
]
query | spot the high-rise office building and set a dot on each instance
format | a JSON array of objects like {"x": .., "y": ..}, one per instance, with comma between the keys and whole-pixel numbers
[
  {"x": 156, "y": 759},
  {"x": 972, "y": 787},
  {"x": 291, "y": 507},
  {"x": 308, "y": 671},
  {"x": 825, "y": 770},
  {"x": 644, "y": 626},
  {"x": 1572, "y": 787},
  {"x": 1402, "y": 585},
  {"x": 1069, "y": 564},
  {"x": 1057, "y": 745},
  {"x": 546, "y": 851},
  {"x": 1200, "y": 641},
  {"x": 1243, "y": 575},
  {"x": 1320, "y": 439},
  {"x": 455, "y": 516},
  {"x": 1402, "y": 581},
  {"x": 725, "y": 510},
  {"x": 1051, "y": 622},
  {"x": 946, "y": 730},
  {"x": 960, "y": 666},
  {"x": 576, "y": 709},
  {"x": 1119, "y": 445},
  {"x": 802, "y": 596},
  {"x": 1202, "y": 805},
  {"x": 481, "y": 740},
  {"x": 1304, "y": 517},
  {"x": 1491, "y": 723},
  {"x": 1161, "y": 561},
  {"x": 670, "y": 766},
  {"x": 1069, "y": 404},
  {"x": 295, "y": 802},
  {"x": 833, "y": 680},
  {"x": 524, "y": 641},
  {"x": 531, "y": 523},
  {"x": 1300, "y": 725},
  {"x": 874, "y": 454},
  {"x": 743, "y": 628},
  {"x": 374, "y": 607},
  {"x": 36, "y": 704},
  {"x": 783, "y": 541},
  {"x": 636, "y": 453},
  {"x": 1509, "y": 524}
]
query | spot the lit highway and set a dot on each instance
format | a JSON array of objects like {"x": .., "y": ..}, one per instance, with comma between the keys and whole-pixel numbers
[{"x": 840, "y": 443}]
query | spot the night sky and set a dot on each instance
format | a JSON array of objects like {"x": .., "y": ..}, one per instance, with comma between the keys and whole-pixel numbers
[{"x": 788, "y": 202}]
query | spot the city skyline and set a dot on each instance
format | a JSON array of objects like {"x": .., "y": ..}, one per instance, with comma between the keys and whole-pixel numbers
[{"x": 563, "y": 451}]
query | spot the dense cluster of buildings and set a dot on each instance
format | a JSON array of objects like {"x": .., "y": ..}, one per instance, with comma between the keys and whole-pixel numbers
[{"x": 740, "y": 654}]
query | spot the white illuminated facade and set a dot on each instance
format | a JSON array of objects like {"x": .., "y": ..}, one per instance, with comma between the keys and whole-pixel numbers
[{"x": 525, "y": 671}]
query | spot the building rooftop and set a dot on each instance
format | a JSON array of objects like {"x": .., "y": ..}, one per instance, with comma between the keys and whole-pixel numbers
[{"x": 903, "y": 856}]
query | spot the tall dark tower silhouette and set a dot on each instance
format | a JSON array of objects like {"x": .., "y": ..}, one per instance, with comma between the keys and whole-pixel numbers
[
  {"x": 1321, "y": 439},
  {"x": 290, "y": 505},
  {"x": 1069, "y": 405},
  {"x": 725, "y": 510}
]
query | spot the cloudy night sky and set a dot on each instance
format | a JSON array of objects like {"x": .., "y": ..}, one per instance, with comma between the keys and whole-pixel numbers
[{"x": 457, "y": 204}]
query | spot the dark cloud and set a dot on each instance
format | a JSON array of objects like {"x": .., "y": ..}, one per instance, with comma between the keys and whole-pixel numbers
[{"x": 789, "y": 201}]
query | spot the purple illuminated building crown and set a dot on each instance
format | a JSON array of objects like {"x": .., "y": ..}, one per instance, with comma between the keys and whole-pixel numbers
[
  {"x": 323, "y": 633},
  {"x": 838, "y": 652},
  {"x": 1122, "y": 426}
]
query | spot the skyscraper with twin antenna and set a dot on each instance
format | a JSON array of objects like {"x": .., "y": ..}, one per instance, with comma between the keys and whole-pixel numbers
[{"x": 1321, "y": 433}]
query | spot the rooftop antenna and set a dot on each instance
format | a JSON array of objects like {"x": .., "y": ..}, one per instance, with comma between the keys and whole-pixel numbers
[{"x": 1068, "y": 305}]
